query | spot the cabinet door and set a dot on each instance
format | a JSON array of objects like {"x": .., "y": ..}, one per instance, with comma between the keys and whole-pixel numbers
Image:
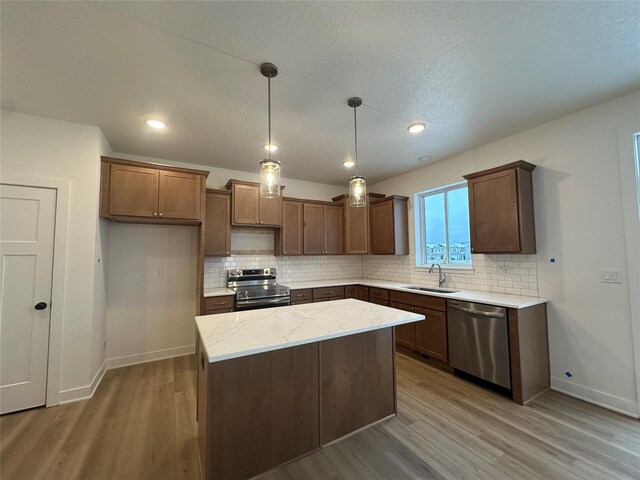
[
  {"x": 271, "y": 211},
  {"x": 218, "y": 225},
  {"x": 179, "y": 195},
  {"x": 246, "y": 205},
  {"x": 493, "y": 213},
  {"x": 133, "y": 191},
  {"x": 431, "y": 333},
  {"x": 351, "y": 291},
  {"x": 313, "y": 229},
  {"x": 356, "y": 230},
  {"x": 292, "y": 228},
  {"x": 405, "y": 334},
  {"x": 333, "y": 230},
  {"x": 382, "y": 228},
  {"x": 362, "y": 293}
]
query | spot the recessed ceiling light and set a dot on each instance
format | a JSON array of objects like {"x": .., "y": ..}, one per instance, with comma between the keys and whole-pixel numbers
[
  {"x": 425, "y": 158},
  {"x": 416, "y": 127},
  {"x": 348, "y": 163},
  {"x": 269, "y": 147},
  {"x": 155, "y": 123}
]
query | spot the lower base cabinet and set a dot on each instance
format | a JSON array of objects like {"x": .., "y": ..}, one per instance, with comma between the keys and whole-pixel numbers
[{"x": 260, "y": 411}]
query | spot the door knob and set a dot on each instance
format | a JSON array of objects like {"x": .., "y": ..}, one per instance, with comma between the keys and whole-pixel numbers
[{"x": 40, "y": 306}]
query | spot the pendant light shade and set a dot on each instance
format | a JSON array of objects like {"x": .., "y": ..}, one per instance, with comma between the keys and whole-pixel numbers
[
  {"x": 357, "y": 191},
  {"x": 269, "y": 178},
  {"x": 269, "y": 167},
  {"x": 357, "y": 183}
]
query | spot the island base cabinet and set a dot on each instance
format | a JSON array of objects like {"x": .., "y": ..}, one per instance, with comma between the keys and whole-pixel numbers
[
  {"x": 357, "y": 374},
  {"x": 260, "y": 411}
]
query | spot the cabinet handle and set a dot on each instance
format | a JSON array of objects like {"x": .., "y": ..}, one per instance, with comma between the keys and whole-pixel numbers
[
  {"x": 299, "y": 295},
  {"x": 155, "y": 214},
  {"x": 227, "y": 253},
  {"x": 220, "y": 303},
  {"x": 160, "y": 214}
]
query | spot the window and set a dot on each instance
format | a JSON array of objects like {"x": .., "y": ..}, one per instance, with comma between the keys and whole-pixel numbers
[{"x": 443, "y": 221}]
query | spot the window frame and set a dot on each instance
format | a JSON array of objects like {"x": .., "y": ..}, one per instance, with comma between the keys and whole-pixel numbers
[{"x": 420, "y": 230}]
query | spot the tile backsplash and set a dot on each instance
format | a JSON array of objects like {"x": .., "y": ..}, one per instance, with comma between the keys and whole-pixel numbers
[
  {"x": 518, "y": 273},
  {"x": 290, "y": 269}
]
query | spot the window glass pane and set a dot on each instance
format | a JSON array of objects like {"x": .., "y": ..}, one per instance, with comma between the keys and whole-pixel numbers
[
  {"x": 434, "y": 228},
  {"x": 458, "y": 225}
]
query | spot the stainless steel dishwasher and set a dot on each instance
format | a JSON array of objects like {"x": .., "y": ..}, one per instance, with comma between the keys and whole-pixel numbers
[{"x": 479, "y": 341}]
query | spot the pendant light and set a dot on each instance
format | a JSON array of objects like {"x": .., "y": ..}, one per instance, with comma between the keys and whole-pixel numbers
[
  {"x": 269, "y": 167},
  {"x": 357, "y": 183}
]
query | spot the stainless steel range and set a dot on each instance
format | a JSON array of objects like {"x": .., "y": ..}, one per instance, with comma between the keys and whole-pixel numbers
[{"x": 257, "y": 288}]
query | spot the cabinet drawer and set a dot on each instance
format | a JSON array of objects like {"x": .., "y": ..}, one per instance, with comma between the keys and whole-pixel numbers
[
  {"x": 327, "y": 299},
  {"x": 219, "y": 303},
  {"x": 220, "y": 310},
  {"x": 326, "y": 292},
  {"x": 426, "y": 301},
  {"x": 379, "y": 301},
  {"x": 300, "y": 295},
  {"x": 380, "y": 293}
]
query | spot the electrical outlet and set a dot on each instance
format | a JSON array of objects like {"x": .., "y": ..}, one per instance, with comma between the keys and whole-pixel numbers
[
  {"x": 610, "y": 276},
  {"x": 160, "y": 273},
  {"x": 504, "y": 270},
  {"x": 104, "y": 346}
]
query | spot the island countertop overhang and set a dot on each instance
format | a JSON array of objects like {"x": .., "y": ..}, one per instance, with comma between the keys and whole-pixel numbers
[{"x": 237, "y": 334}]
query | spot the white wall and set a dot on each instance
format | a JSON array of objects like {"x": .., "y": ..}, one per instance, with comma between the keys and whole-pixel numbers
[
  {"x": 41, "y": 147},
  {"x": 579, "y": 222},
  {"x": 151, "y": 292}
]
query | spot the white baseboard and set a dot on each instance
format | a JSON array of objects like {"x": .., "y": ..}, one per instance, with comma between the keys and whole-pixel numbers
[
  {"x": 86, "y": 392},
  {"x": 602, "y": 399},
  {"x": 137, "y": 358}
]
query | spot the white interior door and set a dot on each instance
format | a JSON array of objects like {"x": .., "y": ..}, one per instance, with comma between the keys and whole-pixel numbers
[{"x": 27, "y": 221}]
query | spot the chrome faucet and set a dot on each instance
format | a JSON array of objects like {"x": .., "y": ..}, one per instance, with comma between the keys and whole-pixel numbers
[{"x": 441, "y": 276}]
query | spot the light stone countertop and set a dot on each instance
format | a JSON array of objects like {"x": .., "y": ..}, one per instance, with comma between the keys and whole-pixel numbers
[
  {"x": 218, "y": 292},
  {"x": 237, "y": 334},
  {"x": 498, "y": 299}
]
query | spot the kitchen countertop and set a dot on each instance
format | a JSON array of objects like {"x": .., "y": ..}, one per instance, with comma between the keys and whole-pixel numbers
[
  {"x": 237, "y": 334},
  {"x": 217, "y": 292},
  {"x": 499, "y": 299}
]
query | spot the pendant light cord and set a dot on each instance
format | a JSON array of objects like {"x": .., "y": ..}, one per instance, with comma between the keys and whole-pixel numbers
[
  {"x": 269, "y": 89},
  {"x": 355, "y": 127}
]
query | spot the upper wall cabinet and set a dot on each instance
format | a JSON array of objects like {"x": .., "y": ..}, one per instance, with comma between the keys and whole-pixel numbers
[
  {"x": 248, "y": 208},
  {"x": 218, "y": 223},
  {"x": 501, "y": 209},
  {"x": 137, "y": 192},
  {"x": 389, "y": 226},
  {"x": 323, "y": 232},
  {"x": 289, "y": 239},
  {"x": 356, "y": 225}
]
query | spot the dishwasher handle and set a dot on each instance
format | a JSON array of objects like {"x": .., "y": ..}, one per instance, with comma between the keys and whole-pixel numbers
[{"x": 477, "y": 312}]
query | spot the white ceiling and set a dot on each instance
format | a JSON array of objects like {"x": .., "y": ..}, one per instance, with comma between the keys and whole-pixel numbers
[{"x": 474, "y": 71}]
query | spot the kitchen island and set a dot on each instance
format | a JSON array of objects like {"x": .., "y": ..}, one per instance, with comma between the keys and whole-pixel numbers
[{"x": 279, "y": 383}]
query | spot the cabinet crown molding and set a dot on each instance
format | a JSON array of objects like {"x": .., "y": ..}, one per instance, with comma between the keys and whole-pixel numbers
[
  {"x": 158, "y": 166},
  {"x": 509, "y": 166}
]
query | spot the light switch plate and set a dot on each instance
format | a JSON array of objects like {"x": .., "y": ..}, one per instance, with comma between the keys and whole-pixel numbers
[{"x": 610, "y": 276}]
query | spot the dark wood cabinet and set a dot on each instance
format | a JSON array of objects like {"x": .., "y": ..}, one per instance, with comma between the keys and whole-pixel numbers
[
  {"x": 289, "y": 238},
  {"x": 389, "y": 226},
  {"x": 299, "y": 297},
  {"x": 248, "y": 208},
  {"x": 428, "y": 336},
  {"x": 222, "y": 304},
  {"x": 362, "y": 293},
  {"x": 326, "y": 294},
  {"x": 218, "y": 224},
  {"x": 501, "y": 213},
  {"x": 431, "y": 333},
  {"x": 351, "y": 291},
  {"x": 137, "y": 192},
  {"x": 356, "y": 225},
  {"x": 333, "y": 230},
  {"x": 323, "y": 229}
]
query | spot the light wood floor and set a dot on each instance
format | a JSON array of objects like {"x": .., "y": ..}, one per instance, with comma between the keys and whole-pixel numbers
[{"x": 140, "y": 424}]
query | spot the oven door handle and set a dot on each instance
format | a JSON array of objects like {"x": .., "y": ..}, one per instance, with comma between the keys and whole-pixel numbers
[{"x": 263, "y": 301}]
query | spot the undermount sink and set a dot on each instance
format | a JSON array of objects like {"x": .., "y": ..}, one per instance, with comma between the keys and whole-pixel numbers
[{"x": 432, "y": 289}]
